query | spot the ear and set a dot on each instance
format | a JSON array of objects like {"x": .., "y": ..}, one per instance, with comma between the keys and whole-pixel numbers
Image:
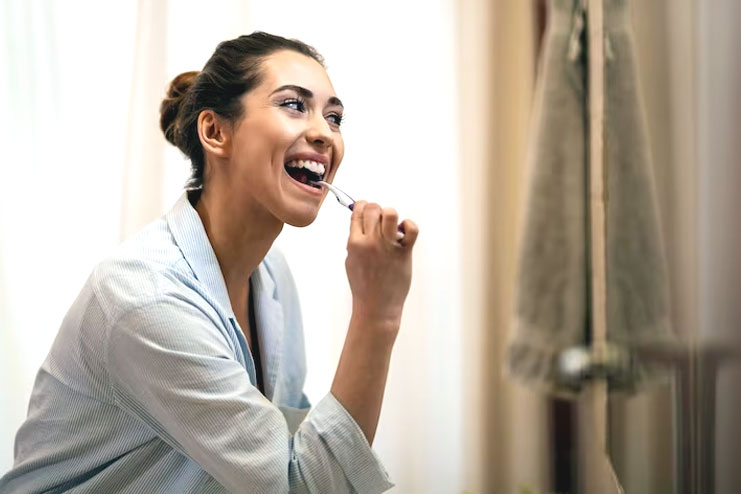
[{"x": 214, "y": 134}]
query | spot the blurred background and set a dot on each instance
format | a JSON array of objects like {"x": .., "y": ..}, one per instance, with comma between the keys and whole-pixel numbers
[{"x": 439, "y": 96}]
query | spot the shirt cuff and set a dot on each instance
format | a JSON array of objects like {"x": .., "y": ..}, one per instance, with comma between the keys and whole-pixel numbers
[{"x": 361, "y": 465}]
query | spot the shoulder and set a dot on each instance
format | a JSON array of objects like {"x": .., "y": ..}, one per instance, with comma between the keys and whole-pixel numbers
[{"x": 140, "y": 271}]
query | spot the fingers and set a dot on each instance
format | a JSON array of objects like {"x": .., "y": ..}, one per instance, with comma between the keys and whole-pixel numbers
[
  {"x": 371, "y": 219},
  {"x": 356, "y": 220},
  {"x": 411, "y": 230},
  {"x": 389, "y": 222},
  {"x": 368, "y": 219}
]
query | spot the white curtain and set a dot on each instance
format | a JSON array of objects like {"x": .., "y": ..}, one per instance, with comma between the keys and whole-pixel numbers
[
  {"x": 84, "y": 165},
  {"x": 64, "y": 85}
]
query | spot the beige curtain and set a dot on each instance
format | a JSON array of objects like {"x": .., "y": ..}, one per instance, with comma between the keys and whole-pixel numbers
[
  {"x": 667, "y": 75},
  {"x": 690, "y": 76},
  {"x": 687, "y": 75},
  {"x": 497, "y": 82}
]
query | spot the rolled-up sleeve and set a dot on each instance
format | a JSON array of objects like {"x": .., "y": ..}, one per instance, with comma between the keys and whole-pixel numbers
[
  {"x": 331, "y": 427},
  {"x": 171, "y": 367}
]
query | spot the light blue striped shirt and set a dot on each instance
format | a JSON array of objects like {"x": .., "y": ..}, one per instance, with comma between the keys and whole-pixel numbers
[{"x": 150, "y": 385}]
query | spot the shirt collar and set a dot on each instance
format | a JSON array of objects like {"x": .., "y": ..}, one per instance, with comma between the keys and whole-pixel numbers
[
  {"x": 270, "y": 324},
  {"x": 190, "y": 235}
]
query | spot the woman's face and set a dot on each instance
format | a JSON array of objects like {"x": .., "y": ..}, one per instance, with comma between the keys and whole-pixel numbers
[{"x": 292, "y": 115}]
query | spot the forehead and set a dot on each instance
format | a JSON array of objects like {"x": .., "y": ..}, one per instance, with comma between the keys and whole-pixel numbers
[{"x": 289, "y": 67}]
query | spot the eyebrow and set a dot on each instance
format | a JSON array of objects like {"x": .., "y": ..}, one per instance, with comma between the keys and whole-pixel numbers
[{"x": 305, "y": 93}]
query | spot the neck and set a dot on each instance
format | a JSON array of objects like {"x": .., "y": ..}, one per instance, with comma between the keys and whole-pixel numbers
[{"x": 241, "y": 232}]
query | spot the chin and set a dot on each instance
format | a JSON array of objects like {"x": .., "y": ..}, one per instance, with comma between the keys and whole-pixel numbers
[{"x": 300, "y": 219}]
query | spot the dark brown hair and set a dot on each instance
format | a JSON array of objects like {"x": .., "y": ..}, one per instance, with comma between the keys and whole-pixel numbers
[{"x": 232, "y": 71}]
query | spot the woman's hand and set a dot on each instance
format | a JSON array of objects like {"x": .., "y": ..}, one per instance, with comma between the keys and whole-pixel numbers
[
  {"x": 380, "y": 271},
  {"x": 378, "y": 266}
]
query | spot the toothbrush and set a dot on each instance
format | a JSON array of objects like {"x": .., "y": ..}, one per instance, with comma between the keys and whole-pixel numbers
[{"x": 349, "y": 202}]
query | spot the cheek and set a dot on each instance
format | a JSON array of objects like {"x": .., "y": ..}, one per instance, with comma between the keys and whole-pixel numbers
[
  {"x": 338, "y": 150},
  {"x": 285, "y": 129},
  {"x": 265, "y": 144},
  {"x": 250, "y": 153}
]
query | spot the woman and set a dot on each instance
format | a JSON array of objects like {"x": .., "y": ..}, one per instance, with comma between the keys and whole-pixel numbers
[{"x": 180, "y": 366}]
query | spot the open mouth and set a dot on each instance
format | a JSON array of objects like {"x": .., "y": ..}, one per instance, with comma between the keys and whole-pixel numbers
[{"x": 305, "y": 171}]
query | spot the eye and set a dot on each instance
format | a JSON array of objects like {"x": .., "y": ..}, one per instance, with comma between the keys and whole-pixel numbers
[
  {"x": 335, "y": 118},
  {"x": 297, "y": 104}
]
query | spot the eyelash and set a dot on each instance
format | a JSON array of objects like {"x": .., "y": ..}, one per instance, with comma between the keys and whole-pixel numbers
[
  {"x": 299, "y": 102},
  {"x": 301, "y": 107},
  {"x": 339, "y": 118}
]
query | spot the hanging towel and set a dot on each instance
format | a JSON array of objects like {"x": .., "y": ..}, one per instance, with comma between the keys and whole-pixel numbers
[{"x": 553, "y": 302}]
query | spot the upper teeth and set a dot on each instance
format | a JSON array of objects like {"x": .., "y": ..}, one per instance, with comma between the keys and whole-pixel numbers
[{"x": 312, "y": 166}]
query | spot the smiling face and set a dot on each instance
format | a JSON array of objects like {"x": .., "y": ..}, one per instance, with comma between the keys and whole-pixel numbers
[{"x": 291, "y": 119}]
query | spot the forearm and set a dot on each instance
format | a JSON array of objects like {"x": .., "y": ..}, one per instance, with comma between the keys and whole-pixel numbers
[{"x": 360, "y": 379}]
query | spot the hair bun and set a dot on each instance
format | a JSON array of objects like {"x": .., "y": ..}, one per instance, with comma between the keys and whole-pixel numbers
[{"x": 171, "y": 105}]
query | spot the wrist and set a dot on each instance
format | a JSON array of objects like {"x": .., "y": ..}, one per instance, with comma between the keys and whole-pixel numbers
[{"x": 380, "y": 328}]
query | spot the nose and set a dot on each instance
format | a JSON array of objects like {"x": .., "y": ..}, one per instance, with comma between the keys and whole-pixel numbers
[{"x": 318, "y": 132}]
